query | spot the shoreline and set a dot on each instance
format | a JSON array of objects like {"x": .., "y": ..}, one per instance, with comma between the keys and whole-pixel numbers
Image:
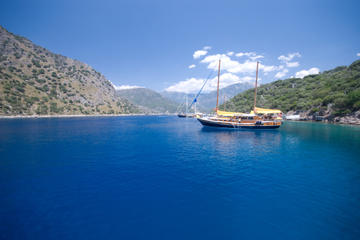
[
  {"x": 142, "y": 115},
  {"x": 80, "y": 115},
  {"x": 325, "y": 122}
]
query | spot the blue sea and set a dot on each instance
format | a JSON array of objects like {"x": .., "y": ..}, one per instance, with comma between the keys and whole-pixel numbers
[{"x": 155, "y": 177}]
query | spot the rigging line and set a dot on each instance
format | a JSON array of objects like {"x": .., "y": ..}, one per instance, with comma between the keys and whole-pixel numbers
[
  {"x": 197, "y": 95},
  {"x": 180, "y": 107}
]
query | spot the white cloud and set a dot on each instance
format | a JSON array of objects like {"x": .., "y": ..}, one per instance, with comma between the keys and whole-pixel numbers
[
  {"x": 247, "y": 54},
  {"x": 256, "y": 57},
  {"x": 281, "y": 74},
  {"x": 193, "y": 85},
  {"x": 199, "y": 53},
  {"x": 292, "y": 64},
  {"x": 287, "y": 60},
  {"x": 358, "y": 54},
  {"x": 188, "y": 86},
  {"x": 289, "y": 57},
  {"x": 252, "y": 55},
  {"x": 125, "y": 87},
  {"x": 269, "y": 68},
  {"x": 303, "y": 73},
  {"x": 226, "y": 62},
  {"x": 236, "y": 70},
  {"x": 232, "y": 70},
  {"x": 232, "y": 66}
]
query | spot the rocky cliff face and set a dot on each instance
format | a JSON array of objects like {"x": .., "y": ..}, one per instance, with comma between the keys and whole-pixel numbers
[{"x": 34, "y": 80}]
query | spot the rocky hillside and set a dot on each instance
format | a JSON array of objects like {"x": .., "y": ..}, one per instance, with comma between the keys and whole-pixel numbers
[
  {"x": 148, "y": 100},
  {"x": 332, "y": 95},
  {"x": 35, "y": 81}
]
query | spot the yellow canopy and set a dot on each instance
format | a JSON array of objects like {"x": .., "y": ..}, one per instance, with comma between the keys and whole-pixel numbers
[
  {"x": 266, "y": 111},
  {"x": 228, "y": 114}
]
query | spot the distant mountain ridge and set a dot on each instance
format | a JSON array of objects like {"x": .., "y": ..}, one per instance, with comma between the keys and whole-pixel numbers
[
  {"x": 35, "y": 81},
  {"x": 148, "y": 100},
  {"x": 207, "y": 101}
]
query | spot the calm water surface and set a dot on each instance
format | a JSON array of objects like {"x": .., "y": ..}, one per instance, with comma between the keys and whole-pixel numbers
[{"x": 169, "y": 178}]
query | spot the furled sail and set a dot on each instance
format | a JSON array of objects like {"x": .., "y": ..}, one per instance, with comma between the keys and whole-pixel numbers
[
  {"x": 266, "y": 111},
  {"x": 228, "y": 114}
]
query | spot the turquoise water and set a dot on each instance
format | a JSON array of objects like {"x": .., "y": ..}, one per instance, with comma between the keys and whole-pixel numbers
[{"x": 169, "y": 178}]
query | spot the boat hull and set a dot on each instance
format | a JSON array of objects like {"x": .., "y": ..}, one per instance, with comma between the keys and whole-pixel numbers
[
  {"x": 181, "y": 115},
  {"x": 213, "y": 123}
]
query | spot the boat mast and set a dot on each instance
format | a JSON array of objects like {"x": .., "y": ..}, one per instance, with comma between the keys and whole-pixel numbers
[
  {"x": 217, "y": 96},
  {"x": 257, "y": 70},
  {"x": 186, "y": 110}
]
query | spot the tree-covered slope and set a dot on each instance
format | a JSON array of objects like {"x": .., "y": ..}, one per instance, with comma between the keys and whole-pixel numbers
[
  {"x": 332, "y": 93},
  {"x": 35, "y": 81},
  {"x": 148, "y": 100}
]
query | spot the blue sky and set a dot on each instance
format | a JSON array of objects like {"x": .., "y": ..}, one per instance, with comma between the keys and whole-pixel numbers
[{"x": 152, "y": 43}]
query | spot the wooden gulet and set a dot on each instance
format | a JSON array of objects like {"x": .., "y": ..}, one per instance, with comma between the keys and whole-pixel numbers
[{"x": 259, "y": 118}]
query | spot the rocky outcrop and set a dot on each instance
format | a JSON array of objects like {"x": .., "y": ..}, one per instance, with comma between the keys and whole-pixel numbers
[
  {"x": 349, "y": 119},
  {"x": 353, "y": 119}
]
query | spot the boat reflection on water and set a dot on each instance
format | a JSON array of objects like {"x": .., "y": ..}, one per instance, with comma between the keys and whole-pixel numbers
[{"x": 223, "y": 139}]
